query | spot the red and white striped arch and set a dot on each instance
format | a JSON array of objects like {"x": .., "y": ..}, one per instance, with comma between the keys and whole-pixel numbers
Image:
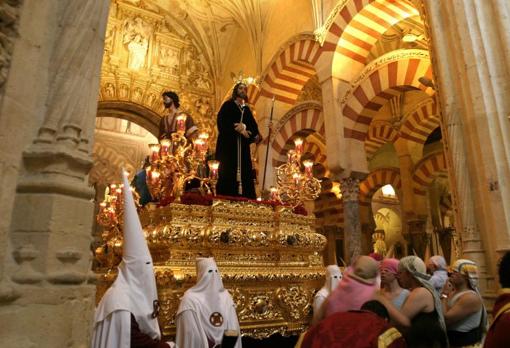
[
  {"x": 290, "y": 70},
  {"x": 427, "y": 170},
  {"x": 378, "y": 135},
  {"x": 301, "y": 120},
  {"x": 420, "y": 122},
  {"x": 376, "y": 180},
  {"x": 358, "y": 26},
  {"x": 316, "y": 150},
  {"x": 253, "y": 93},
  {"x": 297, "y": 122},
  {"x": 379, "y": 86}
]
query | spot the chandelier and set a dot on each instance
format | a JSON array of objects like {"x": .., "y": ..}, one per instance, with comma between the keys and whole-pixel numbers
[
  {"x": 176, "y": 162},
  {"x": 295, "y": 181}
]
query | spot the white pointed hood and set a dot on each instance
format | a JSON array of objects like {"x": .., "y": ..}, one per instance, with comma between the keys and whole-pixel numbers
[
  {"x": 134, "y": 290},
  {"x": 333, "y": 277},
  {"x": 207, "y": 297}
]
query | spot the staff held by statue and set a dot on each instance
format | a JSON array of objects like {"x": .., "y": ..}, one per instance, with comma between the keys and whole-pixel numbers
[{"x": 267, "y": 146}]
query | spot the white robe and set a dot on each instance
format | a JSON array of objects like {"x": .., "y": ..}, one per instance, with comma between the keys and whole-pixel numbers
[
  {"x": 133, "y": 291},
  {"x": 207, "y": 296},
  {"x": 191, "y": 333},
  {"x": 333, "y": 277},
  {"x": 114, "y": 331}
]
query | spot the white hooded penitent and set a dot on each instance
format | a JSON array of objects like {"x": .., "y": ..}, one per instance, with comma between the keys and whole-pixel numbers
[
  {"x": 133, "y": 292},
  {"x": 206, "y": 310},
  {"x": 333, "y": 277}
]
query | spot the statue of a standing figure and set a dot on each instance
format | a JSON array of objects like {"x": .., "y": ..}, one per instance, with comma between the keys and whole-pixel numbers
[{"x": 137, "y": 52}]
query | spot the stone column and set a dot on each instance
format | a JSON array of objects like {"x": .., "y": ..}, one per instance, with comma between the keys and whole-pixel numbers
[
  {"x": 368, "y": 227},
  {"x": 9, "y": 156},
  {"x": 333, "y": 123},
  {"x": 49, "y": 256},
  {"x": 352, "y": 224},
  {"x": 417, "y": 237},
  {"x": 470, "y": 43}
]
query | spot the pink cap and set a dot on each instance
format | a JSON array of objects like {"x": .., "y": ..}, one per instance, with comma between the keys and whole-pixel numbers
[{"x": 390, "y": 265}]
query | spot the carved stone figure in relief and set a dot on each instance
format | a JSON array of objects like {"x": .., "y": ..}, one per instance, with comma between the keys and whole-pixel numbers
[
  {"x": 137, "y": 52},
  {"x": 168, "y": 57},
  {"x": 136, "y": 39}
]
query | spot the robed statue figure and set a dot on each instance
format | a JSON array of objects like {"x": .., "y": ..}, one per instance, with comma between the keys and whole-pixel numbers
[{"x": 237, "y": 129}]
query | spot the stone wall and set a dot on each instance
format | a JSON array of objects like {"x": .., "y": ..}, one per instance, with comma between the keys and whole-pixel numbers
[{"x": 48, "y": 108}]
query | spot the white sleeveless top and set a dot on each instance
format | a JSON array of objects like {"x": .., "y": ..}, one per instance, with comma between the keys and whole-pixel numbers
[{"x": 469, "y": 322}]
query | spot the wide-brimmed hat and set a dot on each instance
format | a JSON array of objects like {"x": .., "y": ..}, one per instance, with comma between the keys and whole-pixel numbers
[{"x": 365, "y": 270}]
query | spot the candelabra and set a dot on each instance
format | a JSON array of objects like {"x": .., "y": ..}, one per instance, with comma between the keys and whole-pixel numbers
[
  {"x": 176, "y": 162},
  {"x": 110, "y": 214},
  {"x": 294, "y": 185}
]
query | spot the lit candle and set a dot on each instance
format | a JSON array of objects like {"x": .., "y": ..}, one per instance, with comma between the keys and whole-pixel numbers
[
  {"x": 155, "y": 175},
  {"x": 308, "y": 164},
  {"x": 274, "y": 193},
  {"x": 199, "y": 145},
  {"x": 155, "y": 151},
  {"x": 213, "y": 167},
  {"x": 102, "y": 207},
  {"x": 181, "y": 123},
  {"x": 290, "y": 156},
  {"x": 296, "y": 176},
  {"x": 298, "y": 143},
  {"x": 118, "y": 193},
  {"x": 203, "y": 135},
  {"x": 165, "y": 144}
]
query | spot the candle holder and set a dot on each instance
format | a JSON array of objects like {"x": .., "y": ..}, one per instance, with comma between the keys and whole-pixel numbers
[
  {"x": 213, "y": 174},
  {"x": 110, "y": 216},
  {"x": 295, "y": 186},
  {"x": 176, "y": 162}
]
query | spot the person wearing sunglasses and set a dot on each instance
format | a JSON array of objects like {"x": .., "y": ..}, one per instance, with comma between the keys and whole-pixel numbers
[{"x": 463, "y": 308}]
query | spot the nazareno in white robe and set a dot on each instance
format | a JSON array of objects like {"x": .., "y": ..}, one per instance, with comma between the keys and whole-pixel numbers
[
  {"x": 333, "y": 277},
  {"x": 198, "y": 305},
  {"x": 133, "y": 292}
]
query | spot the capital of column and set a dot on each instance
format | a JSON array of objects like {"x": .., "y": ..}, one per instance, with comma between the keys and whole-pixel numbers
[{"x": 350, "y": 189}]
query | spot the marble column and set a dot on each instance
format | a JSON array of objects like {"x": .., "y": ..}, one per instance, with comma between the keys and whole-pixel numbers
[
  {"x": 49, "y": 258},
  {"x": 470, "y": 44},
  {"x": 352, "y": 225}
]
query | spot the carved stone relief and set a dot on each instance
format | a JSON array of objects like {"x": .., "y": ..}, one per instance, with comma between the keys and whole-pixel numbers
[
  {"x": 311, "y": 91},
  {"x": 9, "y": 15}
]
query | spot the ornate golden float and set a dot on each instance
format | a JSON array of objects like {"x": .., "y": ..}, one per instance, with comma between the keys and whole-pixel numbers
[{"x": 270, "y": 258}]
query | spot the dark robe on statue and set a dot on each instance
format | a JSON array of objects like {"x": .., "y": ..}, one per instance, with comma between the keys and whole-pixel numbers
[{"x": 226, "y": 150}]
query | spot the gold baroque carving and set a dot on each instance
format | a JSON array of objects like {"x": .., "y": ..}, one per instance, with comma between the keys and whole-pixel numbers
[
  {"x": 144, "y": 56},
  {"x": 255, "y": 258}
]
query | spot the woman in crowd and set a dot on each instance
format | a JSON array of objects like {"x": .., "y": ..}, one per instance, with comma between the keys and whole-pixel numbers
[
  {"x": 390, "y": 287},
  {"x": 420, "y": 317}
]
